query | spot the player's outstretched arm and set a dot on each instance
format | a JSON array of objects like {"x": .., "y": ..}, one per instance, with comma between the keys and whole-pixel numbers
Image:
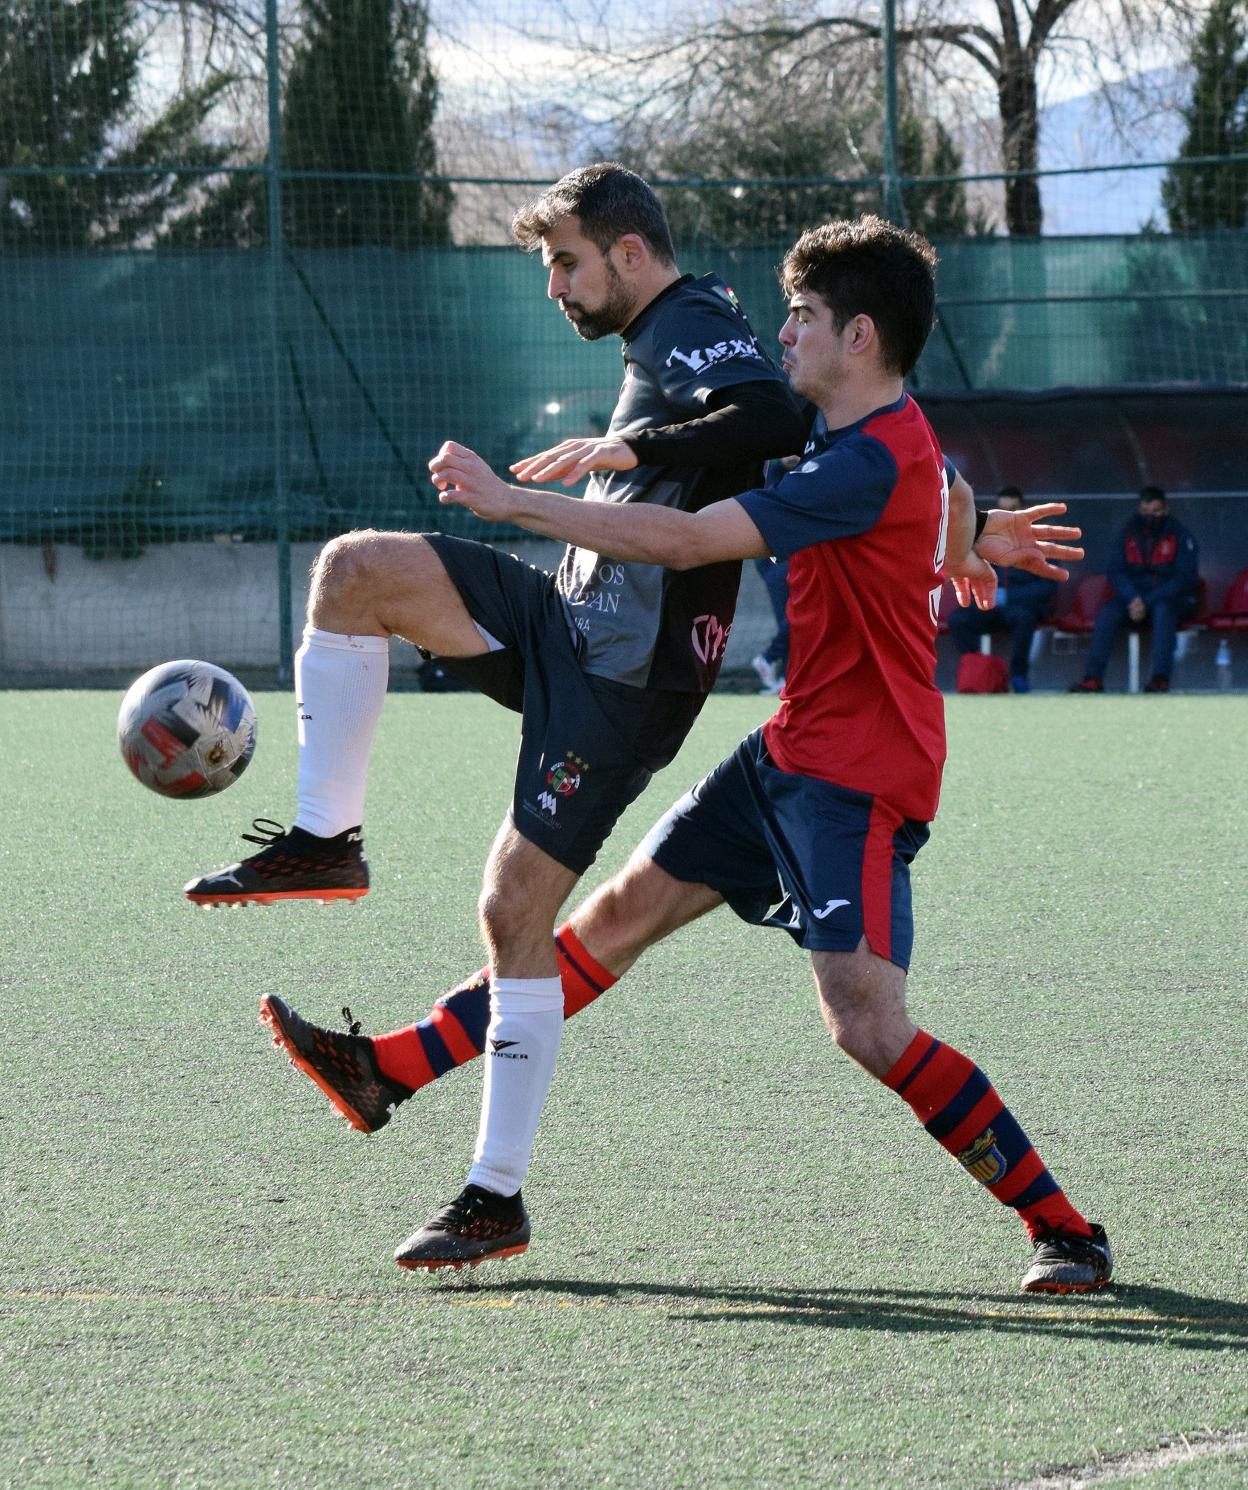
[
  {"x": 623, "y": 530},
  {"x": 1020, "y": 540}
]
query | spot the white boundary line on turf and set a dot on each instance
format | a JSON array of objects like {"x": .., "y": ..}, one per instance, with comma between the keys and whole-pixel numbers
[{"x": 1213, "y": 1445}]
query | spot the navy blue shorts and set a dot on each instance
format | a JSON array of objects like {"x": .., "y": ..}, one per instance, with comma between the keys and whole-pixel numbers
[
  {"x": 588, "y": 745},
  {"x": 824, "y": 863}
]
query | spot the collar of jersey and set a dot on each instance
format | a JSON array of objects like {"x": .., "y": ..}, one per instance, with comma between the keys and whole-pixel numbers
[
  {"x": 677, "y": 284},
  {"x": 832, "y": 435}
]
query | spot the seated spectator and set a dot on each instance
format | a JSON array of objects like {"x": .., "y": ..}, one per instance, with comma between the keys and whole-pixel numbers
[
  {"x": 1155, "y": 580},
  {"x": 1023, "y": 601}
]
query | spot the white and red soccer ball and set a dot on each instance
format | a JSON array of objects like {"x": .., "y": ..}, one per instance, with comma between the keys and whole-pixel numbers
[{"x": 187, "y": 729}]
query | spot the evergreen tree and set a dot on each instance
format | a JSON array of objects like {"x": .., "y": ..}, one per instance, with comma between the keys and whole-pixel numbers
[
  {"x": 69, "y": 71},
  {"x": 769, "y": 211},
  {"x": 360, "y": 98},
  {"x": 1200, "y": 197},
  {"x": 938, "y": 209}
]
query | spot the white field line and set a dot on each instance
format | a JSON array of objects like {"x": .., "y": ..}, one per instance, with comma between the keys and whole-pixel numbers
[{"x": 1210, "y": 1444}]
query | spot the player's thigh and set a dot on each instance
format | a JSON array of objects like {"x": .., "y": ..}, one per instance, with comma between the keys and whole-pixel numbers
[
  {"x": 393, "y": 583},
  {"x": 713, "y": 838},
  {"x": 580, "y": 765},
  {"x": 517, "y": 610}
]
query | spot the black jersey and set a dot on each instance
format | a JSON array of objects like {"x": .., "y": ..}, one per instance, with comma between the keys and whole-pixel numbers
[{"x": 641, "y": 624}]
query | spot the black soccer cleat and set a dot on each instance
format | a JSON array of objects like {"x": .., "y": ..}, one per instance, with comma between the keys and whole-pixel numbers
[
  {"x": 1070, "y": 1264},
  {"x": 1087, "y": 685},
  {"x": 290, "y": 866},
  {"x": 476, "y": 1227},
  {"x": 342, "y": 1065}
]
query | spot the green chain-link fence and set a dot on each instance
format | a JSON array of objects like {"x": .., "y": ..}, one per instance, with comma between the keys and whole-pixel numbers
[{"x": 176, "y": 373}]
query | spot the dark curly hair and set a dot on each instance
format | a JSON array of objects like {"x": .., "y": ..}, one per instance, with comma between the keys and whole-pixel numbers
[{"x": 866, "y": 266}]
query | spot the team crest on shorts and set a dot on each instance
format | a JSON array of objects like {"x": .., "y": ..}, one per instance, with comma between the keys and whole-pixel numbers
[
  {"x": 983, "y": 1161},
  {"x": 562, "y": 780},
  {"x": 564, "y": 776}
]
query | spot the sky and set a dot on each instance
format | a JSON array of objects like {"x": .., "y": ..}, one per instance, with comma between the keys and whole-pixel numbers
[
  {"x": 516, "y": 96},
  {"x": 1078, "y": 132}
]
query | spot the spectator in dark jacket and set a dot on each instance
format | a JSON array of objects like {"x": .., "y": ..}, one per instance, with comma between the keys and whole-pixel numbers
[
  {"x": 1155, "y": 580},
  {"x": 1023, "y": 601}
]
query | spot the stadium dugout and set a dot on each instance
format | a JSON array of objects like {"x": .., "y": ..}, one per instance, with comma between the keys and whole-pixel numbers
[{"x": 1094, "y": 449}]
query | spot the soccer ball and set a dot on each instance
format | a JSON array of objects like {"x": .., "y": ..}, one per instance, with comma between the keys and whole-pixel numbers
[{"x": 187, "y": 729}]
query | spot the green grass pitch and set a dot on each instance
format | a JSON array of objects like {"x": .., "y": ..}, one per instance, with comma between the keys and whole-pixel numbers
[{"x": 750, "y": 1267}]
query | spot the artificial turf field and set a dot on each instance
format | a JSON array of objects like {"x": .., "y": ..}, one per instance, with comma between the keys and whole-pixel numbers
[{"x": 750, "y": 1266}]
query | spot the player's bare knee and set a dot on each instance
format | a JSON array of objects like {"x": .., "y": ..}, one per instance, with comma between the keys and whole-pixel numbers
[
  {"x": 851, "y": 1008},
  {"x": 509, "y": 910},
  {"x": 344, "y": 569},
  {"x": 848, "y": 1022}
]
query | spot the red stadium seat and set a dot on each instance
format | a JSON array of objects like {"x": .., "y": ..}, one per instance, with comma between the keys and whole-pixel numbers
[
  {"x": 1234, "y": 613},
  {"x": 1092, "y": 591}
]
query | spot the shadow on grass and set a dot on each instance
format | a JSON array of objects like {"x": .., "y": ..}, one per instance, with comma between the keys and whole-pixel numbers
[{"x": 1147, "y": 1315}]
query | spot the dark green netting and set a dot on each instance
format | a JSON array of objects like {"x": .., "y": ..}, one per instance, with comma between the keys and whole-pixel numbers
[{"x": 151, "y": 397}]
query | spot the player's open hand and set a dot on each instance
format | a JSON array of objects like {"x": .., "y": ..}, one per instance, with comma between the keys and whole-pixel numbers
[
  {"x": 463, "y": 479},
  {"x": 1020, "y": 541},
  {"x": 571, "y": 459}
]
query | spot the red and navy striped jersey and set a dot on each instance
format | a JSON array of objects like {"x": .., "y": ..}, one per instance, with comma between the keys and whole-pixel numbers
[{"x": 863, "y": 522}]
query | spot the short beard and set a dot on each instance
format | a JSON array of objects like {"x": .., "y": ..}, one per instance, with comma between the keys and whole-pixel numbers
[{"x": 615, "y": 312}]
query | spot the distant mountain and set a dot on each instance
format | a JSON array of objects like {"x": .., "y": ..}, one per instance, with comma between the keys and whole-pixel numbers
[{"x": 1123, "y": 125}]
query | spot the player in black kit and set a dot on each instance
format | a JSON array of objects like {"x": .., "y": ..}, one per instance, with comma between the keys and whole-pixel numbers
[{"x": 608, "y": 663}]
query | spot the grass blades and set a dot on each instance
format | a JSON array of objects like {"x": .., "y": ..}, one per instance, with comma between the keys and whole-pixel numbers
[{"x": 750, "y": 1267}]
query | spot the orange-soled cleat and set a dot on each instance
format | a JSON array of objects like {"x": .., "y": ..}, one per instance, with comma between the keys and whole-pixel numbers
[
  {"x": 290, "y": 866},
  {"x": 343, "y": 1065},
  {"x": 1066, "y": 1263},
  {"x": 477, "y": 1226}
]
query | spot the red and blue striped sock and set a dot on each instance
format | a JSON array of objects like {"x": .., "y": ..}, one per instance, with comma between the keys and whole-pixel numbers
[
  {"x": 454, "y": 1032},
  {"x": 958, "y": 1106}
]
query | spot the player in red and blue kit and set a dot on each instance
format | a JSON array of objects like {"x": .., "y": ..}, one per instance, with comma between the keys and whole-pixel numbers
[{"x": 811, "y": 824}]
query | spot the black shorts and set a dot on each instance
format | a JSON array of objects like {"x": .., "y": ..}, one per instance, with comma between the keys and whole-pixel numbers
[
  {"x": 588, "y": 745},
  {"x": 826, "y": 864}
]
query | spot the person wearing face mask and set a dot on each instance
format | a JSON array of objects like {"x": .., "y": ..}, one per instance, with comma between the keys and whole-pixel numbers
[{"x": 1155, "y": 580}]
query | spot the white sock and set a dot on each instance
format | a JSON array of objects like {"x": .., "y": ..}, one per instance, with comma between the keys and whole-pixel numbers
[
  {"x": 340, "y": 685},
  {"x": 521, "y": 1044}
]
